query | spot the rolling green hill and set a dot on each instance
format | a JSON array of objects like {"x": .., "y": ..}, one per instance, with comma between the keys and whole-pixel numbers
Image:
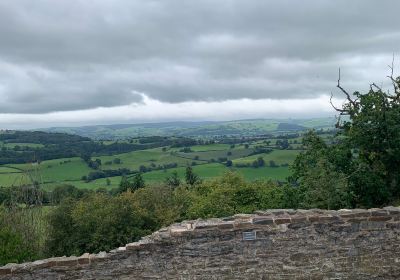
[
  {"x": 53, "y": 159},
  {"x": 197, "y": 129}
]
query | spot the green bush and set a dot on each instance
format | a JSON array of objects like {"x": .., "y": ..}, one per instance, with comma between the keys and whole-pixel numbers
[{"x": 96, "y": 223}]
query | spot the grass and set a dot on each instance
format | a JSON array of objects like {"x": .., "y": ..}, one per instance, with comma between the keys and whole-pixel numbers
[
  {"x": 57, "y": 170},
  {"x": 30, "y": 145},
  {"x": 262, "y": 173},
  {"x": 215, "y": 154},
  {"x": 13, "y": 179},
  {"x": 204, "y": 171},
  {"x": 133, "y": 160},
  {"x": 278, "y": 156},
  {"x": 211, "y": 147},
  {"x": 6, "y": 169},
  {"x": 70, "y": 170}
]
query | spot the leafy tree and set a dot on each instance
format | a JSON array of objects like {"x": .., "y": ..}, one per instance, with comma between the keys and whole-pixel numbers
[
  {"x": 321, "y": 172},
  {"x": 61, "y": 240},
  {"x": 325, "y": 188},
  {"x": 372, "y": 131},
  {"x": 62, "y": 192},
  {"x": 173, "y": 181},
  {"x": 96, "y": 223},
  {"x": 124, "y": 185},
  {"x": 272, "y": 164},
  {"x": 282, "y": 144},
  {"x": 5, "y": 195},
  {"x": 13, "y": 246},
  {"x": 86, "y": 157},
  {"x": 364, "y": 156},
  {"x": 190, "y": 177},
  {"x": 143, "y": 169},
  {"x": 162, "y": 204},
  {"x": 260, "y": 161},
  {"x": 231, "y": 194},
  {"x": 138, "y": 182}
]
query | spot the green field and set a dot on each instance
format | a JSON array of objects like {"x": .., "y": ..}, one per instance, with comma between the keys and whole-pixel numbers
[
  {"x": 6, "y": 169},
  {"x": 134, "y": 160},
  {"x": 12, "y": 145},
  {"x": 204, "y": 171},
  {"x": 205, "y": 159},
  {"x": 216, "y": 154},
  {"x": 278, "y": 156}
]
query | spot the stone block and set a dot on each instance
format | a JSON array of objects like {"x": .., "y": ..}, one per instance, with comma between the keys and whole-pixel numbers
[
  {"x": 282, "y": 220},
  {"x": 379, "y": 218},
  {"x": 263, "y": 220}
]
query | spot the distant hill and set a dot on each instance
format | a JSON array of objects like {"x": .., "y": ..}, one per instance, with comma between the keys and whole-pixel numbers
[
  {"x": 289, "y": 126},
  {"x": 197, "y": 129}
]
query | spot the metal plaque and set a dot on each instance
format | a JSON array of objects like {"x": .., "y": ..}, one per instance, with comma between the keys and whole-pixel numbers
[{"x": 249, "y": 235}]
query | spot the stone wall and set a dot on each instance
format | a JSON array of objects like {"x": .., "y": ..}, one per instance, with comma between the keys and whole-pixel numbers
[{"x": 275, "y": 244}]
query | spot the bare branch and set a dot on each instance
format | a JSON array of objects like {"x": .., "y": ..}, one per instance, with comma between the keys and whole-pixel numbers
[
  {"x": 345, "y": 92},
  {"x": 392, "y": 67},
  {"x": 342, "y": 111},
  {"x": 394, "y": 83},
  {"x": 375, "y": 86}
]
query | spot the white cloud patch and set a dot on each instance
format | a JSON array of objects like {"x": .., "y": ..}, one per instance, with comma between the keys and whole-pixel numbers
[{"x": 151, "y": 110}]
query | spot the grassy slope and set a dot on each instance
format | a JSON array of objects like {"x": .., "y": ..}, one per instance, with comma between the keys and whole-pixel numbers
[
  {"x": 133, "y": 160},
  {"x": 71, "y": 170},
  {"x": 205, "y": 171},
  {"x": 278, "y": 156}
]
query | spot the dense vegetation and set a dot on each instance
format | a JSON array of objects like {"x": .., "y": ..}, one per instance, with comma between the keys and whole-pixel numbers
[
  {"x": 91, "y": 221},
  {"x": 361, "y": 167}
]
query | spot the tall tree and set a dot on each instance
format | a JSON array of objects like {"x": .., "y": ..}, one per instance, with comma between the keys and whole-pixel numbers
[
  {"x": 138, "y": 182},
  {"x": 364, "y": 156},
  {"x": 124, "y": 185},
  {"x": 190, "y": 177},
  {"x": 173, "y": 181},
  {"x": 372, "y": 131}
]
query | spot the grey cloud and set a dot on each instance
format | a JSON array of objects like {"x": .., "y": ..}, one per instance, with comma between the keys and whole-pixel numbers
[{"x": 68, "y": 55}]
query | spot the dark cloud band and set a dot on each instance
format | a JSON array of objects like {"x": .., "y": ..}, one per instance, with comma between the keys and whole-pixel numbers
[{"x": 70, "y": 55}]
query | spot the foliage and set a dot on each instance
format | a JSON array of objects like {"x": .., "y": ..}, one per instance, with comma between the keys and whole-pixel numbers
[
  {"x": 190, "y": 177},
  {"x": 320, "y": 172},
  {"x": 373, "y": 132},
  {"x": 62, "y": 192},
  {"x": 163, "y": 204},
  {"x": 231, "y": 194},
  {"x": 124, "y": 185},
  {"x": 173, "y": 181},
  {"x": 361, "y": 166},
  {"x": 21, "y": 234},
  {"x": 96, "y": 223},
  {"x": 138, "y": 182}
]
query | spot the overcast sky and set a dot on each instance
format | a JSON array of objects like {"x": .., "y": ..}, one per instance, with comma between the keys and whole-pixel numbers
[{"x": 78, "y": 62}]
